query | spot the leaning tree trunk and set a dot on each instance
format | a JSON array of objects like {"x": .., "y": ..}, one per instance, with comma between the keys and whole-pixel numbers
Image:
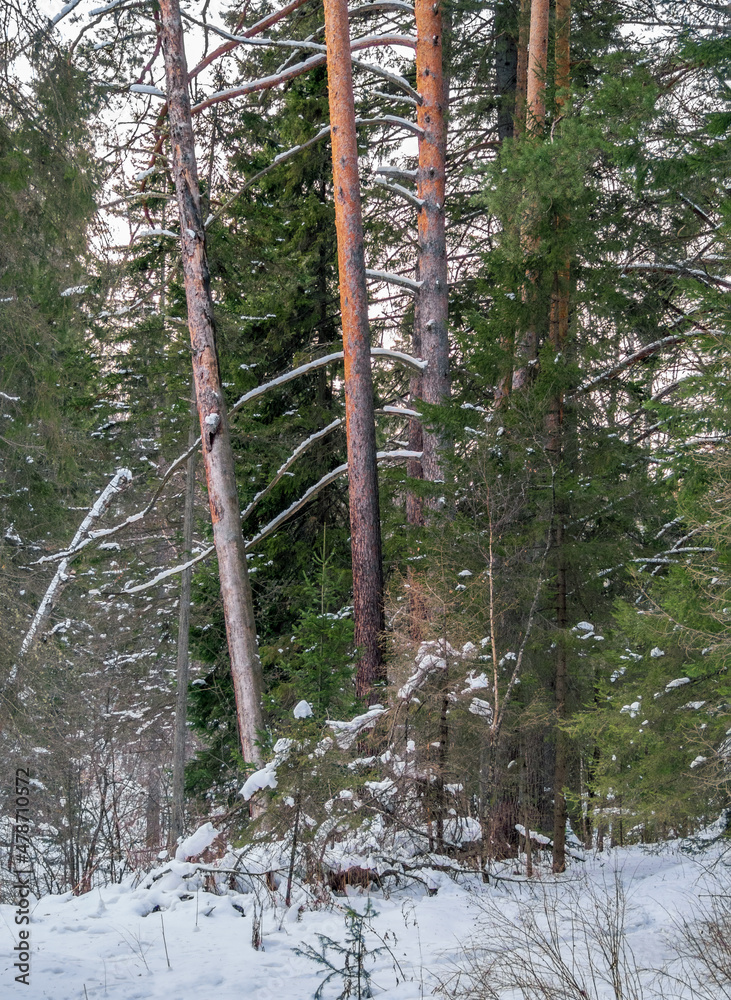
[
  {"x": 217, "y": 452},
  {"x": 365, "y": 520}
]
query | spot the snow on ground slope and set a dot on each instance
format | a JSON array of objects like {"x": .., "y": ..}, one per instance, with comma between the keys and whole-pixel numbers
[{"x": 112, "y": 942}]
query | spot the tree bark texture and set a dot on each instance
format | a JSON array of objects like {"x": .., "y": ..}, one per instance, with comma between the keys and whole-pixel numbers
[
  {"x": 177, "y": 818},
  {"x": 433, "y": 297},
  {"x": 537, "y": 65},
  {"x": 217, "y": 451},
  {"x": 365, "y": 522}
]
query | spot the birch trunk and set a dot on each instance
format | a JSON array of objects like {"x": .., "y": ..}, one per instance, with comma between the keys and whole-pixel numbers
[
  {"x": 216, "y": 442},
  {"x": 365, "y": 521}
]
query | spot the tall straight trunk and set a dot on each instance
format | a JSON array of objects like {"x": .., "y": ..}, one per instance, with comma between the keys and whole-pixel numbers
[
  {"x": 559, "y": 336},
  {"x": 535, "y": 117},
  {"x": 217, "y": 451},
  {"x": 537, "y": 66},
  {"x": 365, "y": 520},
  {"x": 507, "y": 341},
  {"x": 521, "y": 68},
  {"x": 433, "y": 297},
  {"x": 177, "y": 818}
]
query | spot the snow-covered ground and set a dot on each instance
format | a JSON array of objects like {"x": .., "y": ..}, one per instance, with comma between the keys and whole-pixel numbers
[{"x": 165, "y": 936}]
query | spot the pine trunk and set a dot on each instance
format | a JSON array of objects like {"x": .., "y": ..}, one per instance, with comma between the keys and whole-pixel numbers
[
  {"x": 365, "y": 522},
  {"x": 433, "y": 297},
  {"x": 537, "y": 66},
  {"x": 217, "y": 451}
]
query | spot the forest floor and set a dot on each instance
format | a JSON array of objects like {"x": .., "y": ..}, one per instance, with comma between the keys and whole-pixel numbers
[{"x": 156, "y": 937}]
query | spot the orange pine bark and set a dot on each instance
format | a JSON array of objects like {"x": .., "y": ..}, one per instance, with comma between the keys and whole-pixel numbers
[{"x": 365, "y": 523}]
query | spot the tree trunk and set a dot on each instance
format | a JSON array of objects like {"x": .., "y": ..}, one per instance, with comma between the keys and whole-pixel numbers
[
  {"x": 559, "y": 336},
  {"x": 177, "y": 819},
  {"x": 433, "y": 297},
  {"x": 365, "y": 521},
  {"x": 521, "y": 68},
  {"x": 535, "y": 116},
  {"x": 217, "y": 452},
  {"x": 537, "y": 67}
]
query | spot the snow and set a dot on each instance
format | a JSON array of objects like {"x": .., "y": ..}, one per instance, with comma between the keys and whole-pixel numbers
[
  {"x": 302, "y": 710},
  {"x": 109, "y": 942},
  {"x": 143, "y": 88},
  {"x": 480, "y": 707},
  {"x": 266, "y": 777},
  {"x": 656, "y": 652},
  {"x": 347, "y": 732},
  {"x": 194, "y": 845},
  {"x": 156, "y": 231},
  {"x": 678, "y": 682}
]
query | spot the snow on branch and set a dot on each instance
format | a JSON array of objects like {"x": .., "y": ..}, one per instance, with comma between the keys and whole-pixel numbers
[
  {"x": 172, "y": 571},
  {"x": 94, "y": 536},
  {"x": 145, "y": 88},
  {"x": 641, "y": 355},
  {"x": 274, "y": 80},
  {"x": 278, "y": 521},
  {"x": 392, "y": 120},
  {"x": 107, "y": 7},
  {"x": 394, "y": 78},
  {"x": 395, "y": 279},
  {"x": 346, "y": 733},
  {"x": 401, "y": 411},
  {"x": 261, "y": 25},
  {"x": 9, "y": 399},
  {"x": 156, "y": 231},
  {"x": 403, "y": 192},
  {"x": 120, "y": 479},
  {"x": 376, "y": 352},
  {"x": 275, "y": 523},
  {"x": 282, "y": 43},
  {"x": 395, "y": 97},
  {"x": 396, "y": 5},
  {"x": 66, "y": 9},
  {"x": 389, "y": 171},
  {"x": 681, "y": 269},
  {"x": 296, "y": 454}
]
